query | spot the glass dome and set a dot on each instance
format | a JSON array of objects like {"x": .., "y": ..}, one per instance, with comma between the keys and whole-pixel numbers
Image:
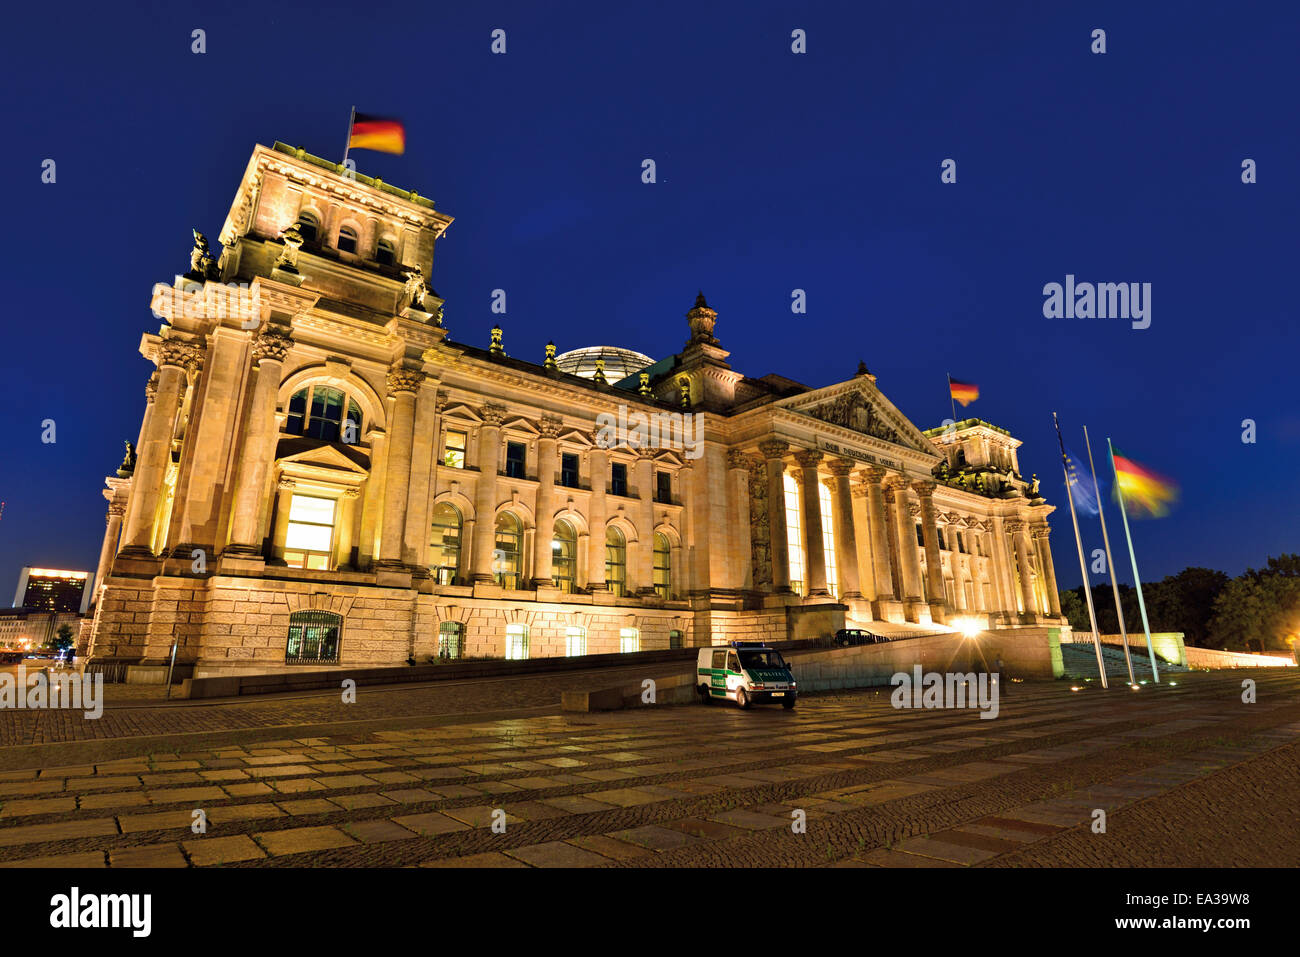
[{"x": 619, "y": 363}]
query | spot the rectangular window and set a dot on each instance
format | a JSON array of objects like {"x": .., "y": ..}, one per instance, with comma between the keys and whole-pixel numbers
[
  {"x": 719, "y": 660},
  {"x": 674, "y": 640},
  {"x": 575, "y": 641},
  {"x": 664, "y": 487},
  {"x": 449, "y": 639},
  {"x": 629, "y": 639},
  {"x": 618, "y": 479},
  {"x": 453, "y": 450},
  {"x": 920, "y": 535},
  {"x": 310, "y": 536},
  {"x": 569, "y": 469},
  {"x": 515, "y": 452},
  {"x": 516, "y": 642}
]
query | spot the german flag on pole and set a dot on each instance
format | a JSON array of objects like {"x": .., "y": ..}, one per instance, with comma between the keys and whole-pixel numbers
[
  {"x": 963, "y": 392},
  {"x": 377, "y": 133},
  {"x": 1144, "y": 493}
]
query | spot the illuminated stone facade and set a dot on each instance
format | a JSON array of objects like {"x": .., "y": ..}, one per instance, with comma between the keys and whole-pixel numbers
[{"x": 321, "y": 476}]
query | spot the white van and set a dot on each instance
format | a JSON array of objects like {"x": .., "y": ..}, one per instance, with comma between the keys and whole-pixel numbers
[{"x": 744, "y": 672}]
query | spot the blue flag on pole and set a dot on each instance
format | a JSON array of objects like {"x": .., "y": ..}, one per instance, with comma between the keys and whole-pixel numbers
[{"x": 1087, "y": 498}]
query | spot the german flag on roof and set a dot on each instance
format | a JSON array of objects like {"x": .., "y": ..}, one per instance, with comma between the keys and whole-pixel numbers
[
  {"x": 963, "y": 392},
  {"x": 377, "y": 133}
]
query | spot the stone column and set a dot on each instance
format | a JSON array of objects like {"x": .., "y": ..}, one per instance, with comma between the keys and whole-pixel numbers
[
  {"x": 113, "y": 521},
  {"x": 373, "y": 504},
  {"x": 425, "y": 436},
  {"x": 778, "y": 537},
  {"x": 547, "y": 463},
  {"x": 643, "y": 565},
  {"x": 811, "y": 504},
  {"x": 345, "y": 521},
  {"x": 1019, "y": 534},
  {"x": 598, "y": 460},
  {"x": 933, "y": 561},
  {"x": 485, "y": 492},
  {"x": 402, "y": 387},
  {"x": 280, "y": 532},
  {"x": 155, "y": 448},
  {"x": 1042, "y": 539},
  {"x": 905, "y": 534},
  {"x": 269, "y": 352},
  {"x": 994, "y": 537},
  {"x": 958, "y": 573},
  {"x": 880, "y": 565},
  {"x": 846, "y": 543}
]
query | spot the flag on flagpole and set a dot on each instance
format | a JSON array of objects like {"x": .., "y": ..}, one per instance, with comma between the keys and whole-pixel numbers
[
  {"x": 963, "y": 392},
  {"x": 1144, "y": 492},
  {"x": 1087, "y": 495},
  {"x": 377, "y": 133}
]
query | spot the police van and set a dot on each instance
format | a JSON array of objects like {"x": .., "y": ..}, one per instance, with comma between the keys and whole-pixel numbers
[{"x": 744, "y": 672}]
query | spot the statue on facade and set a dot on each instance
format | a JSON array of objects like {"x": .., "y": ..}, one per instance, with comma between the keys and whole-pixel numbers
[
  {"x": 415, "y": 289},
  {"x": 292, "y": 237},
  {"x": 128, "y": 462},
  {"x": 202, "y": 264},
  {"x": 1033, "y": 487}
]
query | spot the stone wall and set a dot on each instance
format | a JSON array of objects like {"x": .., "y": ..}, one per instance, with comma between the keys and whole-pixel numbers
[{"x": 1213, "y": 658}]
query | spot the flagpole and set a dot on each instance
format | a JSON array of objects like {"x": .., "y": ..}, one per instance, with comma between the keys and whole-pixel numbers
[
  {"x": 352, "y": 118},
  {"x": 950, "y": 398},
  {"x": 1110, "y": 562},
  {"x": 1142, "y": 605},
  {"x": 1083, "y": 565}
]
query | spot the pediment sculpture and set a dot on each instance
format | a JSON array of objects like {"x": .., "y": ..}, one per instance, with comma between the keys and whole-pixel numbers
[{"x": 852, "y": 411}]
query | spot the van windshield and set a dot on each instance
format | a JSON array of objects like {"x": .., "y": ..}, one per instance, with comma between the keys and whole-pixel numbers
[{"x": 761, "y": 659}]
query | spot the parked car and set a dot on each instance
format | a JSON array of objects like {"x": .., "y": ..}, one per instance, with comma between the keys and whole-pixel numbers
[{"x": 847, "y": 637}]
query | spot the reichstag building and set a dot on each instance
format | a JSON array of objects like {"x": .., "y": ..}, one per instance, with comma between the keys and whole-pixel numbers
[{"x": 322, "y": 478}]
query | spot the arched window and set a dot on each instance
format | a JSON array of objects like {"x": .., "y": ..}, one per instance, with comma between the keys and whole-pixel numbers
[
  {"x": 308, "y": 226},
  {"x": 564, "y": 555},
  {"x": 506, "y": 556},
  {"x": 828, "y": 539},
  {"x": 314, "y": 638},
  {"x": 793, "y": 534},
  {"x": 444, "y": 544},
  {"x": 386, "y": 252},
  {"x": 347, "y": 240},
  {"x": 317, "y": 411},
  {"x": 615, "y": 561},
  {"x": 663, "y": 567}
]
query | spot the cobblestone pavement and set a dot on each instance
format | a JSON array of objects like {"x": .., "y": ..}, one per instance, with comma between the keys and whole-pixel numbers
[{"x": 1187, "y": 774}]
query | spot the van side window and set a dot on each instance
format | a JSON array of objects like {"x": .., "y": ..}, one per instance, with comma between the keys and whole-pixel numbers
[
  {"x": 719, "y": 660},
  {"x": 733, "y": 663}
]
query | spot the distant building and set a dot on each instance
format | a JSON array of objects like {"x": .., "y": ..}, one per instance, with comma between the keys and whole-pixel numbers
[
  {"x": 29, "y": 628},
  {"x": 53, "y": 590}
]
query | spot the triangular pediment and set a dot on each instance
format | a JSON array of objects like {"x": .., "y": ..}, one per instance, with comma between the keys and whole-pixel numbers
[
  {"x": 860, "y": 407},
  {"x": 321, "y": 459}
]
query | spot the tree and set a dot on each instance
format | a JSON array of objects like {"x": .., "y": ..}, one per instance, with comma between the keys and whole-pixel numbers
[
  {"x": 63, "y": 638},
  {"x": 1260, "y": 609},
  {"x": 1074, "y": 610},
  {"x": 1185, "y": 602}
]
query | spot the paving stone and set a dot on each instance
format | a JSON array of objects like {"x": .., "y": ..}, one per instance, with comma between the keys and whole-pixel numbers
[
  {"x": 298, "y": 840},
  {"x": 377, "y": 831},
  {"x": 352, "y": 802},
  {"x": 486, "y": 859},
  {"x": 229, "y": 814},
  {"x": 308, "y": 806},
  {"x": 86, "y": 859},
  {"x": 210, "y": 851},
  {"x": 654, "y": 837},
  {"x": 151, "y": 855},
  {"x": 557, "y": 854},
  {"x": 431, "y": 824}
]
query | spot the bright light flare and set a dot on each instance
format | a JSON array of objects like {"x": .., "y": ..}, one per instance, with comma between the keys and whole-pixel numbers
[{"x": 969, "y": 627}]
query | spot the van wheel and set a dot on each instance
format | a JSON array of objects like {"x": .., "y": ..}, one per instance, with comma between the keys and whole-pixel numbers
[
  {"x": 788, "y": 703},
  {"x": 742, "y": 698}
]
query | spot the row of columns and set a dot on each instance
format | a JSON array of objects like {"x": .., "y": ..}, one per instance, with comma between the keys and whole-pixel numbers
[{"x": 895, "y": 563}]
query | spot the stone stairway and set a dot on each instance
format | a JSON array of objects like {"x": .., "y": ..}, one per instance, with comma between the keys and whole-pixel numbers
[{"x": 1081, "y": 662}]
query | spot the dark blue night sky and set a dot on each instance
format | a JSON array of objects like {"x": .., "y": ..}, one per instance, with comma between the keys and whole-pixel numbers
[{"x": 775, "y": 172}]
